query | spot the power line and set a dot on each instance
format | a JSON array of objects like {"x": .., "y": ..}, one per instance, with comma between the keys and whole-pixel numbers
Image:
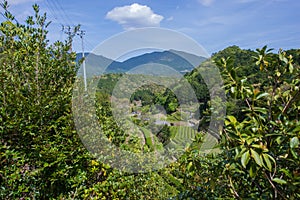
[
  {"x": 89, "y": 45},
  {"x": 71, "y": 31},
  {"x": 51, "y": 11},
  {"x": 62, "y": 12},
  {"x": 59, "y": 14}
]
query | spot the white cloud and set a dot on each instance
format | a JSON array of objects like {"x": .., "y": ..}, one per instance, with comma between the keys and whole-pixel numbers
[
  {"x": 134, "y": 16},
  {"x": 17, "y": 2},
  {"x": 170, "y": 18},
  {"x": 206, "y": 2}
]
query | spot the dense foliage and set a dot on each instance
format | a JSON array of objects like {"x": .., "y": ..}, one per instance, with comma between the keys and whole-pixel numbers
[
  {"x": 41, "y": 155},
  {"x": 260, "y": 157}
]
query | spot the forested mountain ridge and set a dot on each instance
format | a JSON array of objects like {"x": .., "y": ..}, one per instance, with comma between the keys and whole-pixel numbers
[{"x": 177, "y": 60}]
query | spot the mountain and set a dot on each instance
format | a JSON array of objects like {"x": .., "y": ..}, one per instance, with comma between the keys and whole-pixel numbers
[
  {"x": 180, "y": 61},
  {"x": 95, "y": 64},
  {"x": 191, "y": 58}
]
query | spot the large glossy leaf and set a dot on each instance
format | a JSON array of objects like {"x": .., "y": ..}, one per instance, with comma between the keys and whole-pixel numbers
[
  {"x": 267, "y": 161},
  {"x": 256, "y": 157},
  {"x": 245, "y": 158}
]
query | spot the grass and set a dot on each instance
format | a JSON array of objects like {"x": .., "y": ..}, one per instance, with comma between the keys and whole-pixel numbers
[{"x": 156, "y": 145}]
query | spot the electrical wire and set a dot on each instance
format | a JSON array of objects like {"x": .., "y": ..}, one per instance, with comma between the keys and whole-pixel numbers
[
  {"x": 52, "y": 12},
  {"x": 59, "y": 7},
  {"x": 61, "y": 17}
]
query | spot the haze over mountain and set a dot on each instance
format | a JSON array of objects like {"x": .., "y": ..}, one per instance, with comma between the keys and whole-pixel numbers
[{"x": 180, "y": 61}]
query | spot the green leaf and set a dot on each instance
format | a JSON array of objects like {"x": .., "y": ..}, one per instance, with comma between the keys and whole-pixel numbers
[
  {"x": 278, "y": 73},
  {"x": 296, "y": 129},
  {"x": 279, "y": 140},
  {"x": 286, "y": 172},
  {"x": 267, "y": 161},
  {"x": 294, "y": 153},
  {"x": 232, "y": 119},
  {"x": 294, "y": 143},
  {"x": 245, "y": 158},
  {"x": 233, "y": 74},
  {"x": 280, "y": 181},
  {"x": 252, "y": 171},
  {"x": 256, "y": 157},
  {"x": 285, "y": 60},
  {"x": 256, "y": 146},
  {"x": 291, "y": 68},
  {"x": 189, "y": 166},
  {"x": 262, "y": 95},
  {"x": 257, "y": 62},
  {"x": 261, "y": 110}
]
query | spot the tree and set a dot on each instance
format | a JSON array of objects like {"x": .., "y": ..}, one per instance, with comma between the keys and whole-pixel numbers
[
  {"x": 260, "y": 151},
  {"x": 39, "y": 147},
  {"x": 265, "y": 145}
]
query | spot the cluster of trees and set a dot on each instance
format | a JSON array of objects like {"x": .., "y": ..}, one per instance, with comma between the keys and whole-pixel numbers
[
  {"x": 167, "y": 99},
  {"x": 260, "y": 157},
  {"x": 149, "y": 94},
  {"x": 42, "y": 157},
  {"x": 38, "y": 141}
]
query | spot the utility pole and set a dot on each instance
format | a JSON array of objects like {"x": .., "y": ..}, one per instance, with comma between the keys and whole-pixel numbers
[{"x": 81, "y": 34}]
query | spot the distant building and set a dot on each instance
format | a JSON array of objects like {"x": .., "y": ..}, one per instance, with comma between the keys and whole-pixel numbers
[
  {"x": 162, "y": 122},
  {"x": 137, "y": 103}
]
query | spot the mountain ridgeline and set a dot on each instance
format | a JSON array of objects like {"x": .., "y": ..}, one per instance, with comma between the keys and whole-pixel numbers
[{"x": 180, "y": 61}]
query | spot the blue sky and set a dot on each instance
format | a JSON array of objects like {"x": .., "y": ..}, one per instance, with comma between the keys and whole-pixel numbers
[{"x": 215, "y": 24}]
